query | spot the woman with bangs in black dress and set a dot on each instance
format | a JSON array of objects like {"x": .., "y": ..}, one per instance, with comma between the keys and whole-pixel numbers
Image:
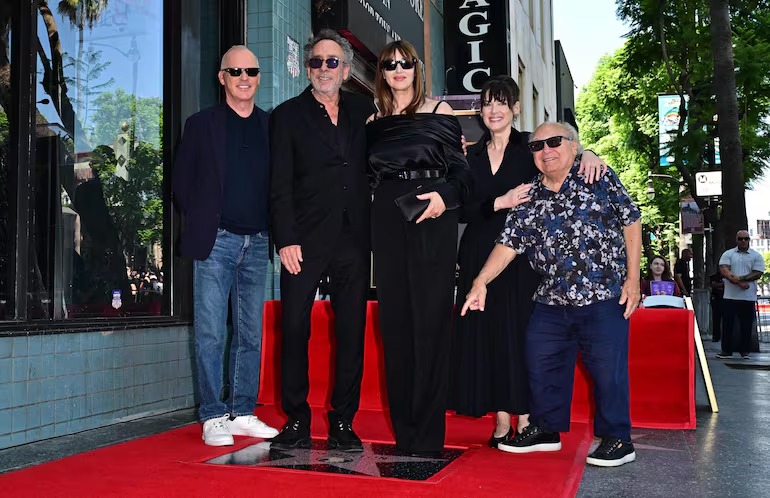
[
  {"x": 413, "y": 143},
  {"x": 489, "y": 371}
]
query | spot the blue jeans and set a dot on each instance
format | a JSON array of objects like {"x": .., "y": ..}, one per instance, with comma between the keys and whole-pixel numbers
[
  {"x": 555, "y": 335},
  {"x": 236, "y": 267}
]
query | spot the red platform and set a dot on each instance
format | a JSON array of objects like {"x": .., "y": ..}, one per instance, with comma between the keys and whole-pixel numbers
[{"x": 661, "y": 366}]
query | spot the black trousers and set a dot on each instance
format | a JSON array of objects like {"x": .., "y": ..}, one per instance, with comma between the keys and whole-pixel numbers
[
  {"x": 348, "y": 269},
  {"x": 415, "y": 270},
  {"x": 743, "y": 312}
]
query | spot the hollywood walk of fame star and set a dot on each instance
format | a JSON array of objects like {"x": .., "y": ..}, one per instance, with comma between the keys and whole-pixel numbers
[{"x": 377, "y": 460}]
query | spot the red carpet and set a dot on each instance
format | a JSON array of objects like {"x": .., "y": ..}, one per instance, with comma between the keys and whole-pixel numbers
[
  {"x": 661, "y": 367},
  {"x": 168, "y": 464}
]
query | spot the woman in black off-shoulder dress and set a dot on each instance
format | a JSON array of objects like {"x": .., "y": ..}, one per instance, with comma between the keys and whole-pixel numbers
[{"x": 411, "y": 144}]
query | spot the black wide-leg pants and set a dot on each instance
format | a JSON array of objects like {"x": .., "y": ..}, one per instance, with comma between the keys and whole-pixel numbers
[
  {"x": 414, "y": 274},
  {"x": 348, "y": 268}
]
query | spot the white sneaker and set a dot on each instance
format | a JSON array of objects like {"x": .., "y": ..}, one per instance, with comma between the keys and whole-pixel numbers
[
  {"x": 216, "y": 432},
  {"x": 249, "y": 425}
]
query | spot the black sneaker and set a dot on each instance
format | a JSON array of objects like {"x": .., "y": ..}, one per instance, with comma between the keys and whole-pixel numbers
[
  {"x": 612, "y": 452},
  {"x": 342, "y": 437},
  {"x": 724, "y": 356},
  {"x": 531, "y": 439},
  {"x": 294, "y": 434}
]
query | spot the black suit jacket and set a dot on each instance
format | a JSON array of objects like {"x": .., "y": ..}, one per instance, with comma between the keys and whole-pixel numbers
[
  {"x": 312, "y": 181},
  {"x": 199, "y": 177}
]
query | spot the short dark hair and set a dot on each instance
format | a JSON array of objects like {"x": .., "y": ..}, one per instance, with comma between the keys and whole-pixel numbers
[{"x": 501, "y": 88}]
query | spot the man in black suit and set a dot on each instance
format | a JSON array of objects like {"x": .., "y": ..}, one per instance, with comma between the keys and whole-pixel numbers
[
  {"x": 320, "y": 222},
  {"x": 221, "y": 187}
]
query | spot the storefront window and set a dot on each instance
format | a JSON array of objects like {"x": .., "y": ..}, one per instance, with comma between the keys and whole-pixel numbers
[
  {"x": 7, "y": 235},
  {"x": 96, "y": 198}
]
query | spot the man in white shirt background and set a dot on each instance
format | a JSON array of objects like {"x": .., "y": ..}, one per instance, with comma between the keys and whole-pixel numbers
[{"x": 741, "y": 267}]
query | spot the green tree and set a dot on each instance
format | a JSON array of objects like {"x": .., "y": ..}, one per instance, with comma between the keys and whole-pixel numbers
[
  {"x": 135, "y": 204},
  {"x": 114, "y": 109},
  {"x": 676, "y": 36},
  {"x": 617, "y": 115},
  {"x": 92, "y": 67},
  {"x": 733, "y": 181}
]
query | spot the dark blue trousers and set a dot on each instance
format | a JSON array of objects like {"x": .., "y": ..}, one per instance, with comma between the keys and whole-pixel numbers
[{"x": 554, "y": 337}]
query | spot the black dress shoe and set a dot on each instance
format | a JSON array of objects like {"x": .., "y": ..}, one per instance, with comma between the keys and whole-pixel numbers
[
  {"x": 342, "y": 437},
  {"x": 294, "y": 434},
  {"x": 494, "y": 441}
]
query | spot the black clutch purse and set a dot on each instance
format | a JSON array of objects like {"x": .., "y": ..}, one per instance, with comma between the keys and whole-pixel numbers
[{"x": 412, "y": 207}]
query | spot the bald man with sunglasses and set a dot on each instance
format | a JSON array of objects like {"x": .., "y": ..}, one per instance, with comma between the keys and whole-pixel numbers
[
  {"x": 220, "y": 185},
  {"x": 585, "y": 241}
]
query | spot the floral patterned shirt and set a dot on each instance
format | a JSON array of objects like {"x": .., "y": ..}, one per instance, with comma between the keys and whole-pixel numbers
[{"x": 574, "y": 238}]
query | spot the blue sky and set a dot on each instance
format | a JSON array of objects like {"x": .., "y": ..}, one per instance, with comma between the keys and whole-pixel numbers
[{"x": 588, "y": 29}]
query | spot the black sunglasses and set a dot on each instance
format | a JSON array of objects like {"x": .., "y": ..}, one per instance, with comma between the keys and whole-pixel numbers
[
  {"x": 390, "y": 64},
  {"x": 744, "y": 238},
  {"x": 236, "y": 71},
  {"x": 552, "y": 142},
  {"x": 317, "y": 62}
]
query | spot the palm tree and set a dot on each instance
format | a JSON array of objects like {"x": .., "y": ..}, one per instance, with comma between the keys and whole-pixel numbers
[
  {"x": 733, "y": 180},
  {"x": 81, "y": 13}
]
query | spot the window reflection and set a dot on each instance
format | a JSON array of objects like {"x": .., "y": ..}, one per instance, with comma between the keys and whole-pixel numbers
[
  {"x": 6, "y": 232},
  {"x": 96, "y": 199}
]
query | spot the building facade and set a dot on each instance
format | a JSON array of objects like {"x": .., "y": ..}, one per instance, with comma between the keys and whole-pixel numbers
[
  {"x": 532, "y": 57},
  {"x": 565, "y": 87}
]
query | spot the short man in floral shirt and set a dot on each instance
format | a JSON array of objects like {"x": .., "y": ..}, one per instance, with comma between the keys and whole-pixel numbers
[{"x": 585, "y": 241}]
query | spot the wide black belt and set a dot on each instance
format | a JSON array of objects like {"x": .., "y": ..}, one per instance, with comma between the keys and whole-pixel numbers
[{"x": 412, "y": 174}]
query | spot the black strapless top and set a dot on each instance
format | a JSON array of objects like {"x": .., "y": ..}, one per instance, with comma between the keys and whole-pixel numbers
[{"x": 425, "y": 141}]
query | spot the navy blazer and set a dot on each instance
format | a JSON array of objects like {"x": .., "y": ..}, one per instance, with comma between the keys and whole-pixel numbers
[{"x": 199, "y": 177}]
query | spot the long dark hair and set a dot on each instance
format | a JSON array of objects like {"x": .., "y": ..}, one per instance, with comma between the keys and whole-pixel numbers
[
  {"x": 666, "y": 269},
  {"x": 382, "y": 90}
]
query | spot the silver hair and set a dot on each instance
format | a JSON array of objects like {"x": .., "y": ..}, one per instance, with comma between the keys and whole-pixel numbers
[
  {"x": 235, "y": 48},
  {"x": 570, "y": 130},
  {"x": 329, "y": 34}
]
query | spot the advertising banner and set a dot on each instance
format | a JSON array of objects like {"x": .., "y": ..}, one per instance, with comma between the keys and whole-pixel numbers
[{"x": 668, "y": 124}]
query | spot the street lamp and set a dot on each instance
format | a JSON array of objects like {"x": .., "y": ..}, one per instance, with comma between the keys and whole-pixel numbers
[
  {"x": 651, "y": 186},
  {"x": 650, "y": 189}
]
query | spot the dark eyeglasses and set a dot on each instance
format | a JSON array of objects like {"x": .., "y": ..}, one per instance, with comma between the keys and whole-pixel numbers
[
  {"x": 317, "y": 62},
  {"x": 552, "y": 142},
  {"x": 390, "y": 64},
  {"x": 744, "y": 238},
  {"x": 236, "y": 71}
]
